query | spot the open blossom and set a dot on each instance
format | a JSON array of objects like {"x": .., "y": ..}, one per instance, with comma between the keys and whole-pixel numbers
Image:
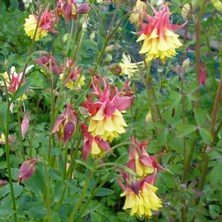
[
  {"x": 158, "y": 35},
  {"x": 46, "y": 23},
  {"x": 72, "y": 75},
  {"x": 65, "y": 125},
  {"x": 140, "y": 196},
  {"x": 13, "y": 82},
  {"x": 106, "y": 112},
  {"x": 93, "y": 145},
  {"x": 127, "y": 67},
  {"x": 27, "y": 169},
  {"x": 69, "y": 9},
  {"x": 140, "y": 161}
]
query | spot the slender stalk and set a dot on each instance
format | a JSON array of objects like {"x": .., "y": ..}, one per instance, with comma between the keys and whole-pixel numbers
[
  {"x": 185, "y": 170},
  {"x": 92, "y": 194},
  {"x": 212, "y": 126},
  {"x": 20, "y": 132},
  {"x": 197, "y": 49},
  {"x": 5, "y": 128},
  {"x": 48, "y": 194},
  {"x": 84, "y": 191},
  {"x": 149, "y": 101}
]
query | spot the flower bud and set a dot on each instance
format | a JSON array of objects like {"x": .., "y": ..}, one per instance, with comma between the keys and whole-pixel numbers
[
  {"x": 27, "y": 169},
  {"x": 185, "y": 11},
  {"x": 3, "y": 183}
]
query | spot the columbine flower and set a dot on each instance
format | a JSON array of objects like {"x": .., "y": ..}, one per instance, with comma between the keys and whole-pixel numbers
[
  {"x": 127, "y": 67},
  {"x": 159, "y": 39},
  {"x": 106, "y": 113},
  {"x": 13, "y": 82},
  {"x": 93, "y": 145},
  {"x": 48, "y": 62},
  {"x": 65, "y": 125},
  {"x": 27, "y": 169},
  {"x": 69, "y": 9},
  {"x": 140, "y": 161},
  {"x": 140, "y": 196},
  {"x": 46, "y": 24},
  {"x": 72, "y": 74}
]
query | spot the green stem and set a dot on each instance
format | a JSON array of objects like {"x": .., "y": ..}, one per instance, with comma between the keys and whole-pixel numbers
[
  {"x": 48, "y": 195},
  {"x": 149, "y": 101},
  {"x": 83, "y": 194},
  {"x": 92, "y": 194},
  {"x": 185, "y": 170},
  {"x": 197, "y": 49},
  {"x": 20, "y": 132},
  {"x": 212, "y": 126}
]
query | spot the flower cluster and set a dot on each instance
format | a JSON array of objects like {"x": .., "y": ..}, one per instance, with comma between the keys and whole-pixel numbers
[
  {"x": 105, "y": 106},
  {"x": 158, "y": 35},
  {"x": 38, "y": 26},
  {"x": 140, "y": 193}
]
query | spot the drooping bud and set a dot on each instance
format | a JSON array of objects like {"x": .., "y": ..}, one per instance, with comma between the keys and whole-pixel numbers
[
  {"x": 25, "y": 123},
  {"x": 27, "y": 169},
  {"x": 3, "y": 183}
]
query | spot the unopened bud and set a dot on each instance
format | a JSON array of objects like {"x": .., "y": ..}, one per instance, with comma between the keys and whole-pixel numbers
[
  {"x": 186, "y": 63},
  {"x": 83, "y": 9},
  {"x": 218, "y": 5},
  {"x": 185, "y": 11},
  {"x": 115, "y": 69},
  {"x": 148, "y": 117},
  {"x": 3, "y": 183},
  {"x": 27, "y": 169}
]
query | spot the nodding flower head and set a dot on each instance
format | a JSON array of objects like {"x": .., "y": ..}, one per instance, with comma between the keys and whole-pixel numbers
[
  {"x": 140, "y": 161},
  {"x": 158, "y": 35},
  {"x": 46, "y": 23},
  {"x": 140, "y": 195},
  {"x": 70, "y": 73},
  {"x": 65, "y": 125},
  {"x": 94, "y": 145},
  {"x": 69, "y": 9},
  {"x": 106, "y": 106}
]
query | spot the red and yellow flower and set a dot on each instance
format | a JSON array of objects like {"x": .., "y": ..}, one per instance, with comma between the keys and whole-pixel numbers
[
  {"x": 72, "y": 75},
  {"x": 158, "y": 35},
  {"x": 46, "y": 23},
  {"x": 106, "y": 119},
  {"x": 140, "y": 196},
  {"x": 65, "y": 125},
  {"x": 140, "y": 161},
  {"x": 93, "y": 145}
]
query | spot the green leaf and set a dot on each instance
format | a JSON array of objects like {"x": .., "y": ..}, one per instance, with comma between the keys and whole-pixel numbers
[
  {"x": 175, "y": 99},
  {"x": 95, "y": 217},
  {"x": 185, "y": 129},
  {"x": 55, "y": 217},
  {"x": 104, "y": 192},
  {"x": 206, "y": 136}
]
